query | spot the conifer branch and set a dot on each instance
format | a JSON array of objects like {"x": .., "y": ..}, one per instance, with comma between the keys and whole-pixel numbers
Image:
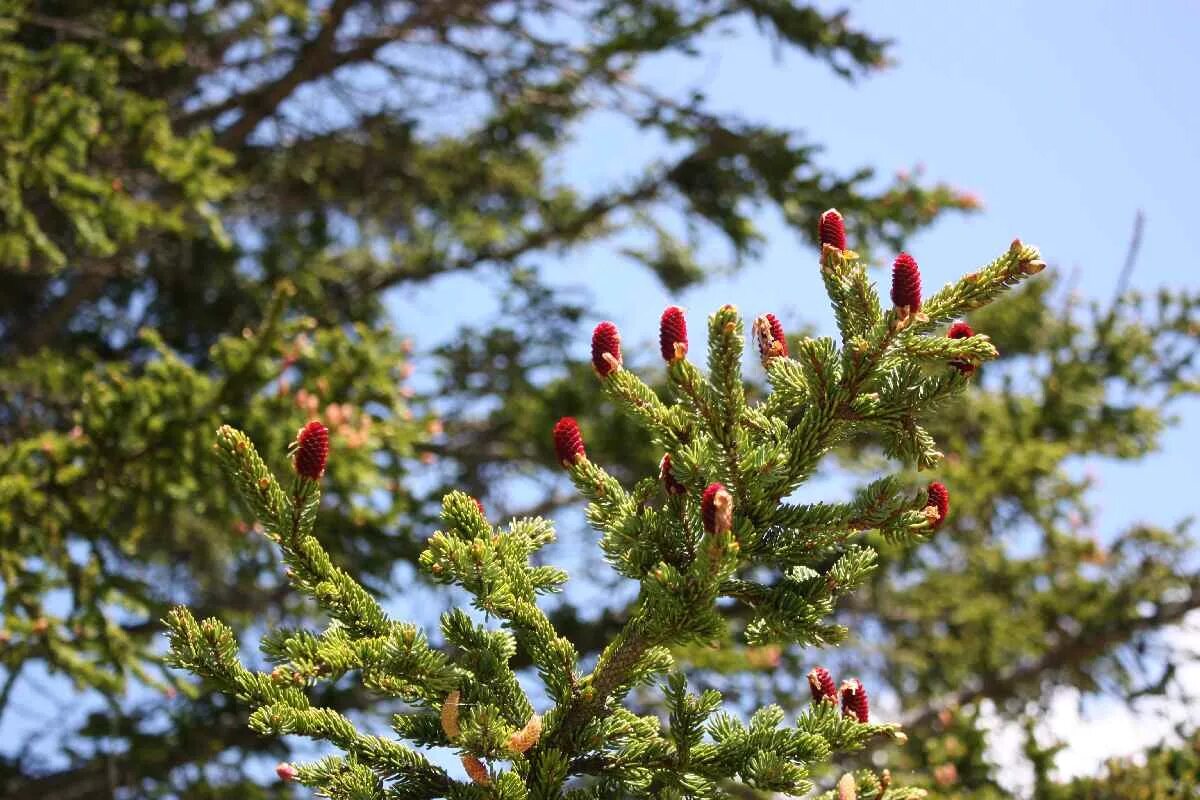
[{"x": 788, "y": 565}]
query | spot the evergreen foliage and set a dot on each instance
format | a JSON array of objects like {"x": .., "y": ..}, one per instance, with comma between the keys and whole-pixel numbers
[
  {"x": 168, "y": 168},
  {"x": 204, "y": 205},
  {"x": 786, "y": 565}
]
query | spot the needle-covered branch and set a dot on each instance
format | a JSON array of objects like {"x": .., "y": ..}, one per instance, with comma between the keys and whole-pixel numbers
[{"x": 715, "y": 525}]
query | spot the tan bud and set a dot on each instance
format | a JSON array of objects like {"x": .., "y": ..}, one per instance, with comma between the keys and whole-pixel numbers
[
  {"x": 476, "y": 770},
  {"x": 450, "y": 715},
  {"x": 528, "y": 736}
]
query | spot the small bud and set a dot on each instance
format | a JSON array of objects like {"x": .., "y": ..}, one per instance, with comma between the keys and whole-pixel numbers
[
  {"x": 476, "y": 771},
  {"x": 768, "y": 333},
  {"x": 945, "y": 775},
  {"x": 286, "y": 772},
  {"x": 847, "y": 789},
  {"x": 479, "y": 505},
  {"x": 670, "y": 485},
  {"x": 939, "y": 499},
  {"x": 672, "y": 334},
  {"x": 885, "y": 780},
  {"x": 961, "y": 330},
  {"x": 528, "y": 736},
  {"x": 833, "y": 229},
  {"x": 821, "y": 684},
  {"x": 311, "y": 451},
  {"x": 568, "y": 442},
  {"x": 854, "y": 700},
  {"x": 906, "y": 283},
  {"x": 716, "y": 509},
  {"x": 450, "y": 715},
  {"x": 1033, "y": 267},
  {"x": 606, "y": 349}
]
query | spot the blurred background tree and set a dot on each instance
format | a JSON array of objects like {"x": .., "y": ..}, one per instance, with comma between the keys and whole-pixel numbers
[{"x": 216, "y": 212}]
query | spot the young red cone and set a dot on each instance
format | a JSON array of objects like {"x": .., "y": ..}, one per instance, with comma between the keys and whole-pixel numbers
[
  {"x": 768, "y": 333},
  {"x": 606, "y": 349},
  {"x": 672, "y": 334},
  {"x": 833, "y": 229},
  {"x": 961, "y": 330},
  {"x": 716, "y": 509},
  {"x": 820, "y": 682},
  {"x": 854, "y": 700},
  {"x": 568, "y": 442},
  {"x": 906, "y": 283},
  {"x": 286, "y": 772},
  {"x": 670, "y": 485},
  {"x": 479, "y": 505},
  {"x": 939, "y": 498},
  {"x": 311, "y": 451}
]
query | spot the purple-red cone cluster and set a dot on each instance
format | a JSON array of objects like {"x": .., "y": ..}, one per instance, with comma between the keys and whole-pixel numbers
[
  {"x": 939, "y": 498},
  {"x": 906, "y": 276},
  {"x": 906, "y": 283},
  {"x": 606, "y": 349},
  {"x": 852, "y": 694},
  {"x": 961, "y": 330},
  {"x": 832, "y": 229},
  {"x": 716, "y": 508},
  {"x": 672, "y": 334},
  {"x": 820, "y": 682},
  {"x": 670, "y": 485},
  {"x": 768, "y": 333},
  {"x": 568, "y": 442},
  {"x": 311, "y": 451},
  {"x": 854, "y": 700}
]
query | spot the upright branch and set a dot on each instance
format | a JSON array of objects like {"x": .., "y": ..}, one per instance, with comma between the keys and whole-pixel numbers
[{"x": 714, "y": 527}]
